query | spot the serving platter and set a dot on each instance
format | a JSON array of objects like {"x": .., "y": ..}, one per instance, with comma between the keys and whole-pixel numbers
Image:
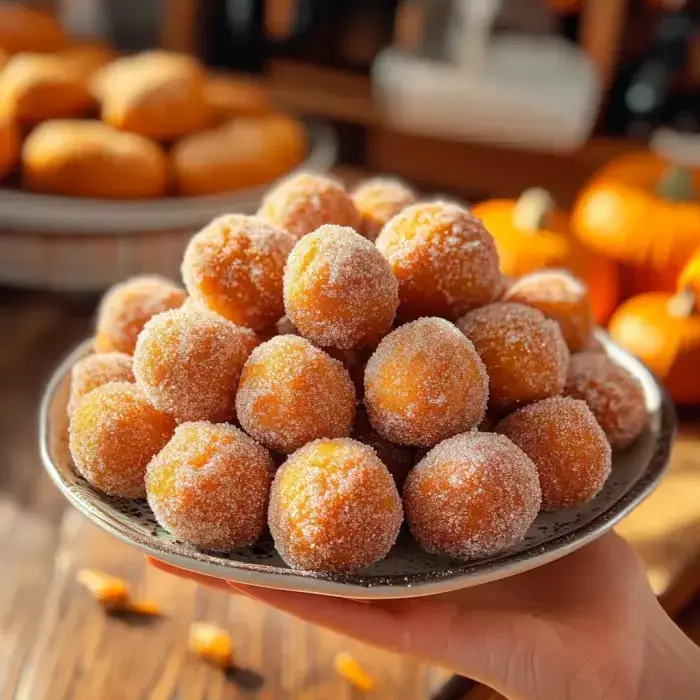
[{"x": 407, "y": 571}]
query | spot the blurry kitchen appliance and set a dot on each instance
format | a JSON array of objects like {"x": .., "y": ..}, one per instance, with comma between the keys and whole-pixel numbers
[{"x": 528, "y": 91}]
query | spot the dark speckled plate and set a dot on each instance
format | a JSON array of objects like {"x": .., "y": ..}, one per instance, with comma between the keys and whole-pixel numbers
[{"x": 407, "y": 571}]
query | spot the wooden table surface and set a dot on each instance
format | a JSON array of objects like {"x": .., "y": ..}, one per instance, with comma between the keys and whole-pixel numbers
[{"x": 57, "y": 644}]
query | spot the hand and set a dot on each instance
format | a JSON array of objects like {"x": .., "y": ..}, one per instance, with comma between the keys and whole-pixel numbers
[{"x": 586, "y": 626}]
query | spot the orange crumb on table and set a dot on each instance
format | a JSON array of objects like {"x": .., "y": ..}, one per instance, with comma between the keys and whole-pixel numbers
[
  {"x": 211, "y": 643},
  {"x": 105, "y": 589},
  {"x": 349, "y": 668}
]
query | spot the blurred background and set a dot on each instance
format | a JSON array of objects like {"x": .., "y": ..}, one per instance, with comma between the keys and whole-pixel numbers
[{"x": 572, "y": 127}]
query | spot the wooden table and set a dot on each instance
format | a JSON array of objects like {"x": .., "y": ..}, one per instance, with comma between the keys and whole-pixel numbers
[{"x": 56, "y": 644}]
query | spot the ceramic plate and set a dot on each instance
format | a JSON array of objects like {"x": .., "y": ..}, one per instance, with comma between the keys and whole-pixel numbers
[
  {"x": 407, "y": 571},
  {"x": 31, "y": 211}
]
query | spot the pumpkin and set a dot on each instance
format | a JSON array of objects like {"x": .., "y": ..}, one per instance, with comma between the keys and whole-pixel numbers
[
  {"x": 643, "y": 211},
  {"x": 663, "y": 330},
  {"x": 532, "y": 234}
]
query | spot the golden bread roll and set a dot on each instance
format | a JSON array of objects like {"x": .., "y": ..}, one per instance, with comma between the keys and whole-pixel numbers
[
  {"x": 87, "y": 57},
  {"x": 4, "y": 58},
  {"x": 35, "y": 87},
  {"x": 158, "y": 94},
  {"x": 242, "y": 153},
  {"x": 231, "y": 97},
  {"x": 24, "y": 29},
  {"x": 9, "y": 143},
  {"x": 85, "y": 158}
]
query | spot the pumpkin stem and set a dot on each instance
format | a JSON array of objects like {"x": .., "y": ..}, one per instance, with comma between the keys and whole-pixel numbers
[
  {"x": 682, "y": 304},
  {"x": 532, "y": 209},
  {"x": 676, "y": 184}
]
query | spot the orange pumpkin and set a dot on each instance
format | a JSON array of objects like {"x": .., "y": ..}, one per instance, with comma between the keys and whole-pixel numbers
[
  {"x": 663, "y": 330},
  {"x": 644, "y": 212},
  {"x": 531, "y": 234}
]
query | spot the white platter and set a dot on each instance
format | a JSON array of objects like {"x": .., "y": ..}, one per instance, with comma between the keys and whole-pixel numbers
[{"x": 407, "y": 571}]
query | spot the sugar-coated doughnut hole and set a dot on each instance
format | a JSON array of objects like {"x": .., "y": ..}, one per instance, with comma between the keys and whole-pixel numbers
[
  {"x": 444, "y": 259},
  {"x": 567, "y": 445},
  {"x": 303, "y": 202},
  {"x": 354, "y": 361},
  {"x": 424, "y": 383},
  {"x": 561, "y": 297},
  {"x": 210, "y": 485},
  {"x": 95, "y": 370},
  {"x": 338, "y": 289},
  {"x": 398, "y": 459},
  {"x": 334, "y": 507},
  {"x": 524, "y": 353},
  {"x": 127, "y": 307},
  {"x": 378, "y": 200},
  {"x": 235, "y": 266},
  {"x": 291, "y": 392},
  {"x": 615, "y": 396},
  {"x": 474, "y": 495},
  {"x": 114, "y": 432},
  {"x": 187, "y": 362}
]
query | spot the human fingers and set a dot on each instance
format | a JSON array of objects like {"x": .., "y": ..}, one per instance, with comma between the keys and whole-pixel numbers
[{"x": 188, "y": 575}]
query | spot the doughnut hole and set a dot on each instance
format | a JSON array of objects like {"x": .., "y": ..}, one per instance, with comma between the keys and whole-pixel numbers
[
  {"x": 188, "y": 362},
  {"x": 524, "y": 353},
  {"x": 338, "y": 289},
  {"x": 444, "y": 259},
  {"x": 378, "y": 200},
  {"x": 567, "y": 445},
  {"x": 95, "y": 370},
  {"x": 114, "y": 432},
  {"x": 210, "y": 485},
  {"x": 615, "y": 396},
  {"x": 424, "y": 383},
  {"x": 334, "y": 507},
  {"x": 235, "y": 265},
  {"x": 561, "y": 297},
  {"x": 473, "y": 496},
  {"x": 304, "y": 202},
  {"x": 291, "y": 393},
  {"x": 126, "y": 308}
]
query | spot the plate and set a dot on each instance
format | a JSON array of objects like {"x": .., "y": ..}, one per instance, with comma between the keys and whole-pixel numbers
[
  {"x": 21, "y": 210},
  {"x": 407, "y": 571}
]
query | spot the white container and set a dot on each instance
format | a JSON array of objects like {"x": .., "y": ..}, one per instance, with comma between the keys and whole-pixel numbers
[{"x": 529, "y": 92}]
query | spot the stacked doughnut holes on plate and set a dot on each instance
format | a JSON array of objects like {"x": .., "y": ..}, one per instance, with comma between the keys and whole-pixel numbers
[{"x": 343, "y": 362}]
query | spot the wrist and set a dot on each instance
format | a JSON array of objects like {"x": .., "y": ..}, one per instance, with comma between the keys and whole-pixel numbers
[{"x": 671, "y": 666}]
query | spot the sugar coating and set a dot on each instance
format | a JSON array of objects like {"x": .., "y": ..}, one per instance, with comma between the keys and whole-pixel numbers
[
  {"x": 424, "y": 383},
  {"x": 615, "y": 396},
  {"x": 303, "y": 202},
  {"x": 378, "y": 199},
  {"x": 234, "y": 266},
  {"x": 114, "y": 432},
  {"x": 127, "y": 307},
  {"x": 95, "y": 370},
  {"x": 338, "y": 289},
  {"x": 559, "y": 296},
  {"x": 291, "y": 392},
  {"x": 210, "y": 485},
  {"x": 354, "y": 361},
  {"x": 473, "y": 496},
  {"x": 334, "y": 507},
  {"x": 524, "y": 353},
  {"x": 444, "y": 259},
  {"x": 568, "y": 447},
  {"x": 187, "y": 362}
]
